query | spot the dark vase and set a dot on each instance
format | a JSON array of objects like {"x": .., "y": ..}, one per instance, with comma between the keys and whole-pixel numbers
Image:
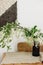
[{"x": 36, "y": 50}]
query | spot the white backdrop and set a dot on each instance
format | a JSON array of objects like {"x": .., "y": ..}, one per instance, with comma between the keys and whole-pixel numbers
[{"x": 30, "y": 13}]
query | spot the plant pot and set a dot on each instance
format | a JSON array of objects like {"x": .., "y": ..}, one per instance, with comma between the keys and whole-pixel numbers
[{"x": 36, "y": 50}]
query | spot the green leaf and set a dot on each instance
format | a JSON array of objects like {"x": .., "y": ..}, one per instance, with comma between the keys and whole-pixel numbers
[
  {"x": 8, "y": 47},
  {"x": 34, "y": 30},
  {"x": 1, "y": 28},
  {"x": 3, "y": 45},
  {"x": 41, "y": 34},
  {"x": 27, "y": 32}
]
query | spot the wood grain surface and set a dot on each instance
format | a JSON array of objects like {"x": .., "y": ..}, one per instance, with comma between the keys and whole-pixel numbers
[
  {"x": 24, "y": 46},
  {"x": 25, "y": 64}
]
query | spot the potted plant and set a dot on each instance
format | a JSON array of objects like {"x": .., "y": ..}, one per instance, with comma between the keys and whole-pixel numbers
[
  {"x": 5, "y": 34},
  {"x": 33, "y": 34}
]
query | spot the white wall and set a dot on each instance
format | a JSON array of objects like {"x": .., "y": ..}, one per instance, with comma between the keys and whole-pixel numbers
[{"x": 30, "y": 13}]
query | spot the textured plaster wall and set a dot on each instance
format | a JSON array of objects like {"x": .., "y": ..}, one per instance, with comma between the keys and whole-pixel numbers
[
  {"x": 5, "y": 4},
  {"x": 8, "y": 11}
]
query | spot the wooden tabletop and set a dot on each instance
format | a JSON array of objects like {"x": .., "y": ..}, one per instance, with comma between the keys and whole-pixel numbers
[{"x": 20, "y": 58}]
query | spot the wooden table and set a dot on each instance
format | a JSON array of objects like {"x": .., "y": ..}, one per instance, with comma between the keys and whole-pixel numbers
[{"x": 20, "y": 58}]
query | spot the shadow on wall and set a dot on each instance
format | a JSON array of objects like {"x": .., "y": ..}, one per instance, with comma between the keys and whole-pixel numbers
[{"x": 9, "y": 16}]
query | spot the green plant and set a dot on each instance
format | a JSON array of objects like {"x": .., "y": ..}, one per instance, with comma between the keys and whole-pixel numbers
[
  {"x": 6, "y": 31},
  {"x": 34, "y": 33}
]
